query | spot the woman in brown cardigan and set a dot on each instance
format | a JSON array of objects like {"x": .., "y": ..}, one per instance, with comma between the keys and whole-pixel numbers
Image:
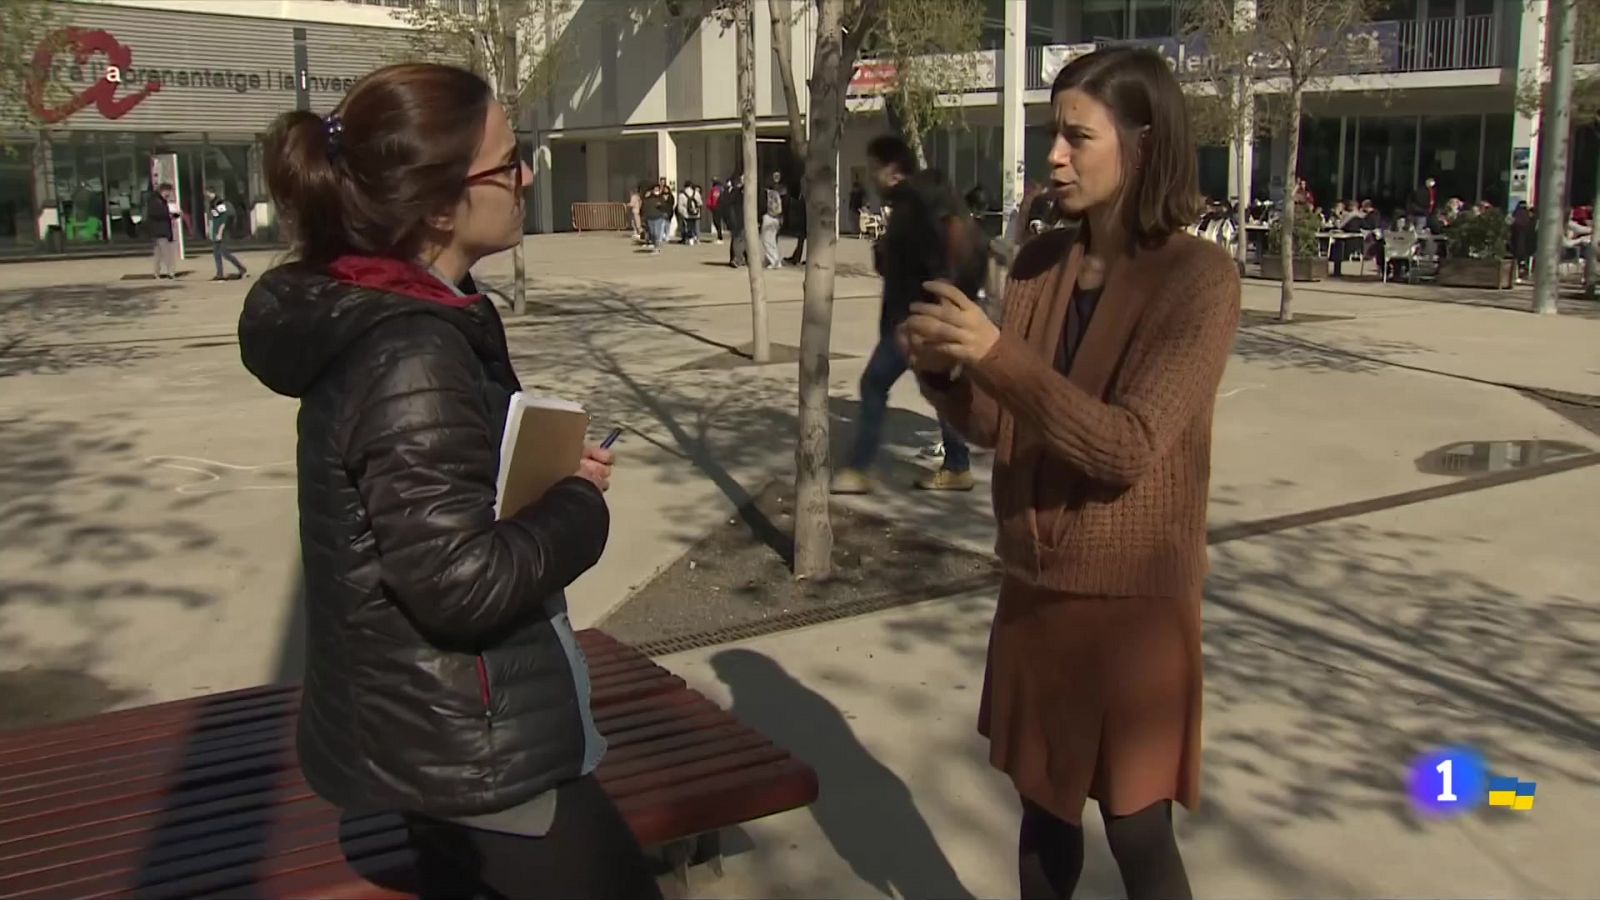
[{"x": 1097, "y": 394}]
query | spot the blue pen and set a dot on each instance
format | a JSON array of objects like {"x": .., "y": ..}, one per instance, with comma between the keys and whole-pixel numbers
[{"x": 611, "y": 439}]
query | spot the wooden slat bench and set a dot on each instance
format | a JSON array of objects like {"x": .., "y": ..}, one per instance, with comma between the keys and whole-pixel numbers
[{"x": 203, "y": 797}]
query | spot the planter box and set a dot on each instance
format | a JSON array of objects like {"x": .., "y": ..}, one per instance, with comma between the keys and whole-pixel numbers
[
  {"x": 1306, "y": 268},
  {"x": 1475, "y": 273}
]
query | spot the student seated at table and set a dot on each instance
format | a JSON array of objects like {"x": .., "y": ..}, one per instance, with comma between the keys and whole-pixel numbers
[{"x": 1347, "y": 219}]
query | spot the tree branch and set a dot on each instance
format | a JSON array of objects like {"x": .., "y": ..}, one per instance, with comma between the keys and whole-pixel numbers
[{"x": 782, "y": 12}]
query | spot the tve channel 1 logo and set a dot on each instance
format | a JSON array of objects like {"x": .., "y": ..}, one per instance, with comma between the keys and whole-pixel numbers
[{"x": 1456, "y": 780}]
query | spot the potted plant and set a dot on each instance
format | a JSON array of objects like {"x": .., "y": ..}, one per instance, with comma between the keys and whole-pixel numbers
[
  {"x": 1309, "y": 263},
  {"x": 1476, "y": 257}
]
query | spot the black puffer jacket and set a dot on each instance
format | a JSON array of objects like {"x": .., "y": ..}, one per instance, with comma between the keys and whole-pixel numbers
[{"x": 435, "y": 679}]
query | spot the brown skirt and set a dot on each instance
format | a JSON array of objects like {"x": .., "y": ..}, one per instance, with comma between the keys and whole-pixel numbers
[{"x": 1094, "y": 697}]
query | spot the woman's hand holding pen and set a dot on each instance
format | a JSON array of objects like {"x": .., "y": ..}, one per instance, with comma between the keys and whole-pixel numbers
[{"x": 595, "y": 467}]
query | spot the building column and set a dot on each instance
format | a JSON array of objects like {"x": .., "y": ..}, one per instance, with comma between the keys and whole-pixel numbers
[
  {"x": 544, "y": 185},
  {"x": 597, "y": 166},
  {"x": 1525, "y": 125},
  {"x": 715, "y": 141},
  {"x": 666, "y": 156},
  {"x": 1242, "y": 160},
  {"x": 1013, "y": 79},
  {"x": 1243, "y": 157}
]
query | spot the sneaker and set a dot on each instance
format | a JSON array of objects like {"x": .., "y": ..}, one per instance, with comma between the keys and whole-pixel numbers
[
  {"x": 946, "y": 480},
  {"x": 851, "y": 481}
]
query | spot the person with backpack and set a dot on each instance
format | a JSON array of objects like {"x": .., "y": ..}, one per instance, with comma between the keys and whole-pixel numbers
[
  {"x": 732, "y": 204},
  {"x": 771, "y": 220},
  {"x": 714, "y": 205},
  {"x": 930, "y": 236},
  {"x": 218, "y": 212},
  {"x": 690, "y": 206}
]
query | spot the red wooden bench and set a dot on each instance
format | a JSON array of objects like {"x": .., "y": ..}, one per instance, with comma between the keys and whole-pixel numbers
[{"x": 203, "y": 797}]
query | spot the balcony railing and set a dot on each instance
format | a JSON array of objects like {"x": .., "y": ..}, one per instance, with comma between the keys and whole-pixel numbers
[
  {"x": 1465, "y": 42},
  {"x": 1468, "y": 42}
]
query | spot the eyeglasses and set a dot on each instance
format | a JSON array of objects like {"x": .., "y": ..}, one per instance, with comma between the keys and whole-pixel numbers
[{"x": 514, "y": 167}]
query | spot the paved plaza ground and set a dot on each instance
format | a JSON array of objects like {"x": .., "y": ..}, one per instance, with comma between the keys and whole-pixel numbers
[{"x": 1354, "y": 618}]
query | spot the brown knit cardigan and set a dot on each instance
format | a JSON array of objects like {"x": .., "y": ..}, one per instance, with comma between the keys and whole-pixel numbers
[{"x": 1101, "y": 475}]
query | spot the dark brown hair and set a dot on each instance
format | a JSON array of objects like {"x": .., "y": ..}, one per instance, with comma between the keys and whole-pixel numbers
[
  {"x": 365, "y": 178},
  {"x": 1161, "y": 192}
]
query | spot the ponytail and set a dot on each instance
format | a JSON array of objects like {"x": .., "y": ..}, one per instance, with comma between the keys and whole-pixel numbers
[{"x": 365, "y": 179}]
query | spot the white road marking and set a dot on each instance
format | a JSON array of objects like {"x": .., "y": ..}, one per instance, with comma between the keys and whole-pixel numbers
[{"x": 214, "y": 472}]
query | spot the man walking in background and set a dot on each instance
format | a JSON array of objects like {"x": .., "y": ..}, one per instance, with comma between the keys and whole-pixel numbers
[
  {"x": 218, "y": 212},
  {"x": 930, "y": 236}
]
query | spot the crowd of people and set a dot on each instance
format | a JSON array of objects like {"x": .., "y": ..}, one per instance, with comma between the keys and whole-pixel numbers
[
  {"x": 1362, "y": 230},
  {"x": 442, "y": 676}
]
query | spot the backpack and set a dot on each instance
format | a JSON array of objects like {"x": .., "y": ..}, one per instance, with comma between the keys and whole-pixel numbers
[
  {"x": 775, "y": 203},
  {"x": 693, "y": 206}
]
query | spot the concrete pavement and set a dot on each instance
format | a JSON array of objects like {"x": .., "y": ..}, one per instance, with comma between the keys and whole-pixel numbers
[{"x": 148, "y": 540}]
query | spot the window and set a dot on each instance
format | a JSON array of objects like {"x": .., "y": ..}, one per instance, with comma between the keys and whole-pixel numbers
[
  {"x": 1104, "y": 20},
  {"x": 17, "y": 227},
  {"x": 1152, "y": 19}
]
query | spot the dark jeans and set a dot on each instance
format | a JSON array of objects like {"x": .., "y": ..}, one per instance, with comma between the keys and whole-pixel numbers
[
  {"x": 220, "y": 251},
  {"x": 883, "y": 370},
  {"x": 716, "y": 221},
  {"x": 589, "y": 852}
]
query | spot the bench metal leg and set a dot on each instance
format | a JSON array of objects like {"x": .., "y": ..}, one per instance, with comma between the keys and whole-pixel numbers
[
  {"x": 705, "y": 848},
  {"x": 708, "y": 850}
]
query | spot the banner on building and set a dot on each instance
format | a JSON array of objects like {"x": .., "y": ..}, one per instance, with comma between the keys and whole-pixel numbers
[
  {"x": 1055, "y": 57},
  {"x": 1370, "y": 47}
]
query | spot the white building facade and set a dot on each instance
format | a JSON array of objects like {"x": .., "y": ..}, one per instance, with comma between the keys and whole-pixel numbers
[{"x": 645, "y": 93}]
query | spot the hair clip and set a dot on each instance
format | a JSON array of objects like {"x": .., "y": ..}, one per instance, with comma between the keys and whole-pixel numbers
[{"x": 333, "y": 130}]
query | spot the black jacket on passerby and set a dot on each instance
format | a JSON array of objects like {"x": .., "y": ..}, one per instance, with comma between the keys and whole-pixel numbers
[
  {"x": 157, "y": 217},
  {"x": 732, "y": 206},
  {"x": 435, "y": 680},
  {"x": 1524, "y": 234},
  {"x": 917, "y": 246},
  {"x": 1423, "y": 203}
]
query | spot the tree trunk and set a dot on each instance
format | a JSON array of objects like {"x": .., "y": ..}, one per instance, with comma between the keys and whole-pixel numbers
[
  {"x": 1556, "y": 128},
  {"x": 744, "y": 39},
  {"x": 1290, "y": 166},
  {"x": 813, "y": 531},
  {"x": 508, "y": 75},
  {"x": 1243, "y": 131}
]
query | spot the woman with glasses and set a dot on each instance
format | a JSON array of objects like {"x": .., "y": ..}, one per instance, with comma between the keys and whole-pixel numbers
[{"x": 442, "y": 677}]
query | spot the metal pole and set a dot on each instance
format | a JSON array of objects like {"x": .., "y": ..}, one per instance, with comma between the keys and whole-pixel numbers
[{"x": 1557, "y": 122}]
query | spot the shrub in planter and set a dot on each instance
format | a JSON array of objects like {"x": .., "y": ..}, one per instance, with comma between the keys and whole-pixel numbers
[
  {"x": 1477, "y": 247},
  {"x": 1306, "y": 254}
]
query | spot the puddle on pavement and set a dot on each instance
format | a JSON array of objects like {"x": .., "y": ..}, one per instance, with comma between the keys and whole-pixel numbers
[{"x": 1478, "y": 457}]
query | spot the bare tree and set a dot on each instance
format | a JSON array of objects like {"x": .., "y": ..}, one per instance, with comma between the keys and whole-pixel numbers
[
  {"x": 1227, "y": 113},
  {"x": 841, "y": 25},
  {"x": 924, "y": 46},
  {"x": 1306, "y": 41},
  {"x": 1555, "y": 126},
  {"x": 508, "y": 42},
  {"x": 1586, "y": 110},
  {"x": 26, "y": 28},
  {"x": 745, "y": 48}
]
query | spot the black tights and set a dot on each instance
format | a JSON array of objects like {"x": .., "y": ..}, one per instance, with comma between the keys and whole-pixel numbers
[{"x": 1050, "y": 854}]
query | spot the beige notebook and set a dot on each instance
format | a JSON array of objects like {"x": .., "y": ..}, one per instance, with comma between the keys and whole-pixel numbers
[{"x": 542, "y": 444}]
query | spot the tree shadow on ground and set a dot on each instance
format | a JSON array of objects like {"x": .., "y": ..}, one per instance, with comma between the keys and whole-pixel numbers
[
  {"x": 1367, "y": 648},
  {"x": 1278, "y": 350},
  {"x": 77, "y": 553},
  {"x": 866, "y": 811},
  {"x": 50, "y": 329}
]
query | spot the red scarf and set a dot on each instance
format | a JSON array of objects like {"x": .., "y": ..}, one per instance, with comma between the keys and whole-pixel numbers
[{"x": 397, "y": 276}]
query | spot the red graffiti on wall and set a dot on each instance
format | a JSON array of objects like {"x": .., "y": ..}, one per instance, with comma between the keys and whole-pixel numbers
[{"x": 85, "y": 43}]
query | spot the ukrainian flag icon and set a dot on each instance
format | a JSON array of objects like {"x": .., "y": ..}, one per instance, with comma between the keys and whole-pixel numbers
[{"x": 1511, "y": 793}]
